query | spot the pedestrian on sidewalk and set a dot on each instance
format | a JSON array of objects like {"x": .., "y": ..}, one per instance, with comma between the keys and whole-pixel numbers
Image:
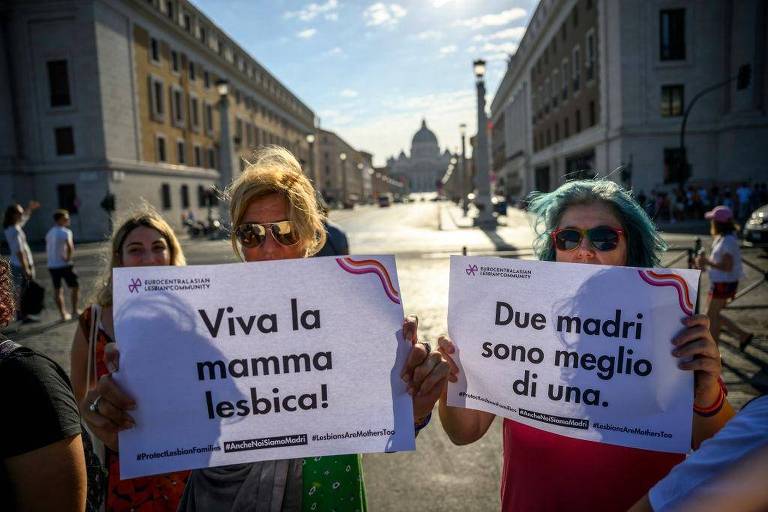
[
  {"x": 143, "y": 239},
  {"x": 22, "y": 264},
  {"x": 593, "y": 222},
  {"x": 725, "y": 270},
  {"x": 60, "y": 247}
]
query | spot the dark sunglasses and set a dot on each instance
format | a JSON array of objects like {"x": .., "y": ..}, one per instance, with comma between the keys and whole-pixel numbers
[
  {"x": 602, "y": 238},
  {"x": 253, "y": 234}
]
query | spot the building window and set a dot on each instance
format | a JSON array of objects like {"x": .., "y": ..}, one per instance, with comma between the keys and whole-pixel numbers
[
  {"x": 672, "y": 34},
  {"x": 206, "y": 80},
  {"x": 165, "y": 193},
  {"x": 238, "y": 132},
  {"x": 65, "y": 141},
  {"x": 58, "y": 83},
  {"x": 67, "y": 196},
  {"x": 177, "y": 104},
  {"x": 181, "y": 152},
  {"x": 184, "y": 196},
  {"x": 578, "y": 121},
  {"x": 576, "y": 69},
  {"x": 154, "y": 50},
  {"x": 565, "y": 31},
  {"x": 192, "y": 72},
  {"x": 198, "y": 156},
  {"x": 557, "y": 132},
  {"x": 174, "y": 61},
  {"x": 201, "y": 197},
  {"x": 555, "y": 86},
  {"x": 590, "y": 57},
  {"x": 169, "y": 9},
  {"x": 157, "y": 109},
  {"x": 566, "y": 128},
  {"x": 575, "y": 15},
  {"x": 194, "y": 113},
  {"x": 211, "y": 158},
  {"x": 161, "y": 153},
  {"x": 565, "y": 68},
  {"x": 549, "y": 136},
  {"x": 249, "y": 134},
  {"x": 592, "y": 114},
  {"x": 672, "y": 100},
  {"x": 187, "y": 22},
  {"x": 674, "y": 171},
  {"x": 203, "y": 34},
  {"x": 208, "y": 118}
]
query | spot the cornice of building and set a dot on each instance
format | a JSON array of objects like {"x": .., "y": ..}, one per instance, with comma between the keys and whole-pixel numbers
[
  {"x": 109, "y": 165},
  {"x": 223, "y": 38},
  {"x": 537, "y": 27}
]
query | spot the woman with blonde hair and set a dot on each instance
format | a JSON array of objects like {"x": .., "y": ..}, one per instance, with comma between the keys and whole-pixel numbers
[
  {"x": 142, "y": 239},
  {"x": 275, "y": 215}
]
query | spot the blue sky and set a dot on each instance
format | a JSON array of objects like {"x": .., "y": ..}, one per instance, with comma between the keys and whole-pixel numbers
[{"x": 372, "y": 70}]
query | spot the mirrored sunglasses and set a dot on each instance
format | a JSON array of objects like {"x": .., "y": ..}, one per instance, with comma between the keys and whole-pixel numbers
[
  {"x": 253, "y": 234},
  {"x": 602, "y": 238}
]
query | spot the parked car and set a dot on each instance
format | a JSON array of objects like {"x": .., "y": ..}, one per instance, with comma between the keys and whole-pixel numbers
[
  {"x": 385, "y": 200},
  {"x": 756, "y": 228}
]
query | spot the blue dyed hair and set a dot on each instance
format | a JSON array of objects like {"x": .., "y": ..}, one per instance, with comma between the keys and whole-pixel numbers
[{"x": 644, "y": 243}]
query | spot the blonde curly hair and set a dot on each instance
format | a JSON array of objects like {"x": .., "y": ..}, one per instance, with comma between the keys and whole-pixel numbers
[{"x": 274, "y": 170}]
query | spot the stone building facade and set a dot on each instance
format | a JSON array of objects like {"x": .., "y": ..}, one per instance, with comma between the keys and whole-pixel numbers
[
  {"x": 597, "y": 85},
  {"x": 119, "y": 97}
]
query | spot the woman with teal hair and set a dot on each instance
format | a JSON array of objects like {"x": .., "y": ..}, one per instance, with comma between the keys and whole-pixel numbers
[{"x": 592, "y": 222}]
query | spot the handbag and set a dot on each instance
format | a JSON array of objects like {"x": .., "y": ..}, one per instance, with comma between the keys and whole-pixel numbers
[
  {"x": 32, "y": 298},
  {"x": 97, "y": 448}
]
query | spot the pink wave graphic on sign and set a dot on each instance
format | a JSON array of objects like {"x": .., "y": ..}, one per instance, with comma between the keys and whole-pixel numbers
[
  {"x": 678, "y": 283},
  {"x": 360, "y": 267}
]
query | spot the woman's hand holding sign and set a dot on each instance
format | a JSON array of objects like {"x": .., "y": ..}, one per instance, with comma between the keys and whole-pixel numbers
[
  {"x": 109, "y": 405},
  {"x": 426, "y": 371},
  {"x": 697, "y": 349}
]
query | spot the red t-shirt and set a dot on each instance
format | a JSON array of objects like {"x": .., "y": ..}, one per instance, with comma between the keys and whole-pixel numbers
[{"x": 545, "y": 471}]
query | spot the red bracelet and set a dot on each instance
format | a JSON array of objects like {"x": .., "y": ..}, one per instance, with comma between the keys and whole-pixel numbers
[{"x": 716, "y": 405}]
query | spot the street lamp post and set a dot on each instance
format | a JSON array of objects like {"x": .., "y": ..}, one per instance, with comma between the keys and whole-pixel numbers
[
  {"x": 465, "y": 182},
  {"x": 485, "y": 217},
  {"x": 226, "y": 147},
  {"x": 343, "y": 158},
  {"x": 362, "y": 181},
  {"x": 312, "y": 173}
]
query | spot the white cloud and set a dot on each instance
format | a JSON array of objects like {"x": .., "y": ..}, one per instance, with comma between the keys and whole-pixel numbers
[
  {"x": 429, "y": 35},
  {"x": 306, "y": 34},
  {"x": 335, "y": 51},
  {"x": 447, "y": 50},
  {"x": 493, "y": 20},
  {"x": 311, "y": 11},
  {"x": 498, "y": 51},
  {"x": 348, "y": 93},
  {"x": 381, "y": 14},
  {"x": 515, "y": 33}
]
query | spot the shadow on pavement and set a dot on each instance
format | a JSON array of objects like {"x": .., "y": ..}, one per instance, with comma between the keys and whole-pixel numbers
[{"x": 498, "y": 242}]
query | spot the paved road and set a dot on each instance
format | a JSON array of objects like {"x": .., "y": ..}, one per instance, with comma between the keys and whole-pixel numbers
[{"x": 423, "y": 235}]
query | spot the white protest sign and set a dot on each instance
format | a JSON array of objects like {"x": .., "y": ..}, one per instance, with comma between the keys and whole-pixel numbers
[
  {"x": 256, "y": 361},
  {"x": 579, "y": 350}
]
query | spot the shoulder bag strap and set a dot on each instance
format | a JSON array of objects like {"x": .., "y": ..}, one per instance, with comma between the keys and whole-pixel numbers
[{"x": 91, "y": 375}]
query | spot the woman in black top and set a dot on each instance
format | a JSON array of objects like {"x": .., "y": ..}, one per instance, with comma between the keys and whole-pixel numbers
[{"x": 43, "y": 466}]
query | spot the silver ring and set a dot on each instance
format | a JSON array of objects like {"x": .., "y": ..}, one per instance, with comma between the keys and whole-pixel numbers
[{"x": 94, "y": 407}]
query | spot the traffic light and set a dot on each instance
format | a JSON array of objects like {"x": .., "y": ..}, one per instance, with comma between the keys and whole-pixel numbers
[{"x": 744, "y": 77}]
